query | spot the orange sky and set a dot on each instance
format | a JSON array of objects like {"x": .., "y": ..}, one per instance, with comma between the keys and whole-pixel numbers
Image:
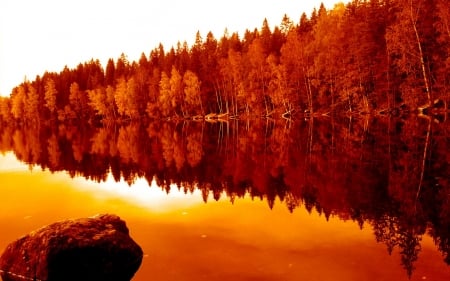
[{"x": 47, "y": 35}]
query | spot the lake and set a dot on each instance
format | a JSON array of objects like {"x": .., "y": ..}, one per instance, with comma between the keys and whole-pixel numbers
[{"x": 319, "y": 199}]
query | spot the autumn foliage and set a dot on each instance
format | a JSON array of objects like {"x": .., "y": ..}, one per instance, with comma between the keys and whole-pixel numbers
[{"x": 374, "y": 57}]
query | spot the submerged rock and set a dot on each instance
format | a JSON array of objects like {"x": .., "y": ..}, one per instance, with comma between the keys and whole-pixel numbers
[{"x": 97, "y": 248}]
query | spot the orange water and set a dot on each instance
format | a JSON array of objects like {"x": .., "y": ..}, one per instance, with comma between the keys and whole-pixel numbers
[{"x": 184, "y": 238}]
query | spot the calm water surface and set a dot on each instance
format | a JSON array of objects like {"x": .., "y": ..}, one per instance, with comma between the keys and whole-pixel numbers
[
  {"x": 293, "y": 203},
  {"x": 185, "y": 239}
]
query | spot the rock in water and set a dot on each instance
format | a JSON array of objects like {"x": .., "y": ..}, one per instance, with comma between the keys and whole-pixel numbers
[{"x": 97, "y": 248}]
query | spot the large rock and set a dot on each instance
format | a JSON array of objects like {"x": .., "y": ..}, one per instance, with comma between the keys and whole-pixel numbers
[{"x": 97, "y": 248}]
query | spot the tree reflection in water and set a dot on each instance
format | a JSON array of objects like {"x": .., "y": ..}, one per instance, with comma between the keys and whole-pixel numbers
[{"x": 391, "y": 174}]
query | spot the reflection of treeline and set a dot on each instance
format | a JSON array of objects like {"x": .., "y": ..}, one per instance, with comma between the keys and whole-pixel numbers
[
  {"x": 372, "y": 171},
  {"x": 366, "y": 56}
]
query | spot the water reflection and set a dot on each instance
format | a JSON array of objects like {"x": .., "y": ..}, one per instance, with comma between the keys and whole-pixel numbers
[{"x": 391, "y": 175}]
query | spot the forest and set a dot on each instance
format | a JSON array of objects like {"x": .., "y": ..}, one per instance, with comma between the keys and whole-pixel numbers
[{"x": 366, "y": 57}]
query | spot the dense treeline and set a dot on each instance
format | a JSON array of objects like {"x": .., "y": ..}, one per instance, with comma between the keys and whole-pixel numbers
[
  {"x": 376, "y": 56},
  {"x": 385, "y": 173}
]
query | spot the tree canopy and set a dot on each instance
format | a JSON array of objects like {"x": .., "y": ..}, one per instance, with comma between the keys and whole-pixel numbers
[{"x": 364, "y": 57}]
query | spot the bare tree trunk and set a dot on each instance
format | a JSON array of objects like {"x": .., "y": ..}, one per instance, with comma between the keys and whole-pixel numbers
[
  {"x": 201, "y": 104},
  {"x": 310, "y": 101},
  {"x": 388, "y": 80},
  {"x": 349, "y": 101},
  {"x": 308, "y": 92},
  {"x": 419, "y": 45},
  {"x": 362, "y": 90},
  {"x": 268, "y": 113}
]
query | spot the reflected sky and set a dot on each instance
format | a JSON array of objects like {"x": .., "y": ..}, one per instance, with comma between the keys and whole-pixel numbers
[
  {"x": 186, "y": 239},
  {"x": 8, "y": 163},
  {"x": 140, "y": 193}
]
